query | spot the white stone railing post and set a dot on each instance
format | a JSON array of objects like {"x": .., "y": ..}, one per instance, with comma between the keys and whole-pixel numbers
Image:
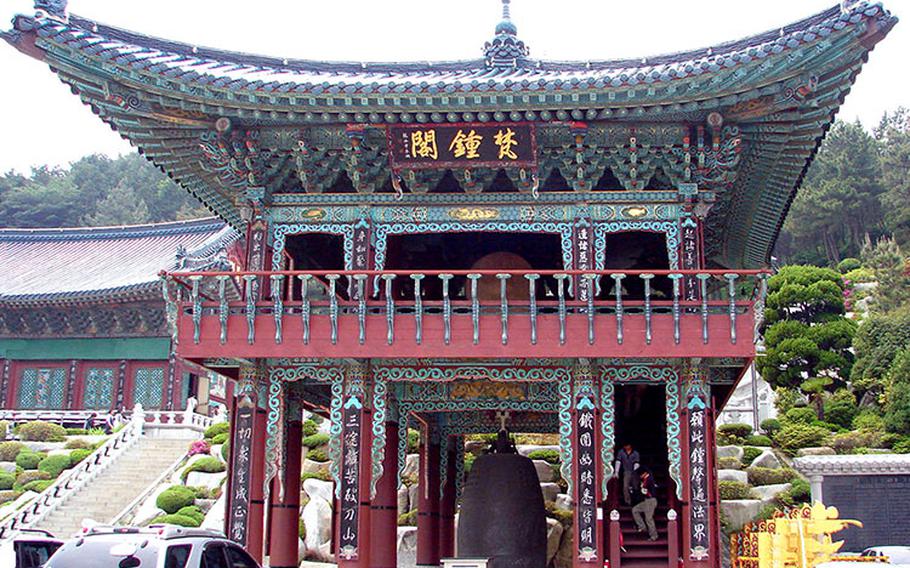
[{"x": 138, "y": 418}]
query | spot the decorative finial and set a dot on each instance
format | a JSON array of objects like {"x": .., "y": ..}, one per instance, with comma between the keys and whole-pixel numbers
[{"x": 506, "y": 50}]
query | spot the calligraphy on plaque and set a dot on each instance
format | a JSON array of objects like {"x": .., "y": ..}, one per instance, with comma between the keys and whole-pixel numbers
[
  {"x": 699, "y": 521},
  {"x": 472, "y": 145},
  {"x": 350, "y": 482},
  {"x": 586, "y": 489},
  {"x": 241, "y": 448},
  {"x": 361, "y": 256},
  {"x": 584, "y": 235},
  {"x": 689, "y": 239}
]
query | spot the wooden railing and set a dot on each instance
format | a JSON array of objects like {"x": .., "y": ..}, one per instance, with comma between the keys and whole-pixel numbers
[{"x": 401, "y": 307}]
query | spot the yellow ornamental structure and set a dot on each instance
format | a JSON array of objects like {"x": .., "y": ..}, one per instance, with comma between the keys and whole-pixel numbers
[{"x": 799, "y": 539}]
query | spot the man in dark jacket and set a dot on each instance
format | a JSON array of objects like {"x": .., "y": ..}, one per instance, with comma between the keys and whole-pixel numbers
[
  {"x": 646, "y": 503},
  {"x": 627, "y": 461}
]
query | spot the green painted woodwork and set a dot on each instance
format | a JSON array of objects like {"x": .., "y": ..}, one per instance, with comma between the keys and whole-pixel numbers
[{"x": 139, "y": 349}]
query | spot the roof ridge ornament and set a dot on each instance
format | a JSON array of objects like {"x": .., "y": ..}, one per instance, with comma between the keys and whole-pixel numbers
[{"x": 505, "y": 50}]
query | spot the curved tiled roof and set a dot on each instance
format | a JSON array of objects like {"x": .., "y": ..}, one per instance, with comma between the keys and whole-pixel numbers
[
  {"x": 779, "y": 89},
  {"x": 64, "y": 265},
  {"x": 871, "y": 464}
]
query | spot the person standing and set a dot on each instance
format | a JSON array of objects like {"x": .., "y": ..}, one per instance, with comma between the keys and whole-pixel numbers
[
  {"x": 645, "y": 504},
  {"x": 627, "y": 461}
]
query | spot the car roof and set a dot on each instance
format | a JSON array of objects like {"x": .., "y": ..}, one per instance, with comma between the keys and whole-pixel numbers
[
  {"x": 161, "y": 532},
  {"x": 894, "y": 548}
]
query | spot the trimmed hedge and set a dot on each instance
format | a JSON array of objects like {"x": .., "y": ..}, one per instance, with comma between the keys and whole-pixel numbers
[
  {"x": 735, "y": 430},
  {"x": 7, "y": 496},
  {"x": 226, "y": 451},
  {"x": 322, "y": 475},
  {"x": 801, "y": 415},
  {"x": 193, "y": 512},
  {"x": 175, "y": 498},
  {"x": 848, "y": 442},
  {"x": 78, "y": 444},
  {"x": 7, "y": 480},
  {"x": 413, "y": 441},
  {"x": 309, "y": 427},
  {"x": 38, "y": 431},
  {"x": 220, "y": 439},
  {"x": 218, "y": 428},
  {"x": 28, "y": 459},
  {"x": 770, "y": 425},
  {"x": 55, "y": 465},
  {"x": 758, "y": 440},
  {"x": 316, "y": 440},
  {"x": 178, "y": 520},
  {"x": 793, "y": 437},
  {"x": 204, "y": 465},
  {"x": 549, "y": 456},
  {"x": 38, "y": 485},
  {"x": 729, "y": 463},
  {"x": 749, "y": 455},
  {"x": 732, "y": 490},
  {"x": 27, "y": 477},
  {"x": 317, "y": 456},
  {"x": 9, "y": 450},
  {"x": 77, "y": 456},
  {"x": 770, "y": 476}
]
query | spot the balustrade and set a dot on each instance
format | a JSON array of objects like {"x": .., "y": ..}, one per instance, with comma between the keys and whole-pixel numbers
[{"x": 379, "y": 306}]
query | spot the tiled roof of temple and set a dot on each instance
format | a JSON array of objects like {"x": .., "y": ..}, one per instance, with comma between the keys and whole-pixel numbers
[
  {"x": 44, "y": 266},
  {"x": 226, "y": 125}
]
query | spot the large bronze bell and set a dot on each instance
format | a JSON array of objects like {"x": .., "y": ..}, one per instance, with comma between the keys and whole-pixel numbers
[{"x": 502, "y": 512}]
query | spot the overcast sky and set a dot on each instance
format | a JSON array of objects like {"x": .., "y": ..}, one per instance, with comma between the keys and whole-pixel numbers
[{"x": 44, "y": 123}]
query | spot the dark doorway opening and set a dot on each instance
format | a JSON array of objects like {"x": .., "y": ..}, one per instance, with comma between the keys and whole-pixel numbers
[
  {"x": 315, "y": 251},
  {"x": 637, "y": 250}
]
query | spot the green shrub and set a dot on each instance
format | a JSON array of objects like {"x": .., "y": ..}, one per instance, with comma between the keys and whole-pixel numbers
[
  {"x": 4, "y": 429},
  {"x": 801, "y": 415},
  {"x": 799, "y": 493},
  {"x": 732, "y": 490},
  {"x": 301, "y": 529},
  {"x": 840, "y": 411},
  {"x": 413, "y": 441},
  {"x": 759, "y": 440},
  {"x": 749, "y": 455},
  {"x": 827, "y": 426},
  {"x": 192, "y": 512},
  {"x": 322, "y": 475},
  {"x": 9, "y": 450},
  {"x": 564, "y": 517},
  {"x": 220, "y": 439},
  {"x": 54, "y": 465},
  {"x": 786, "y": 398},
  {"x": 317, "y": 456},
  {"x": 175, "y": 498},
  {"x": 469, "y": 462},
  {"x": 7, "y": 480},
  {"x": 78, "y": 444},
  {"x": 848, "y": 264},
  {"x": 7, "y": 496},
  {"x": 408, "y": 519},
  {"x": 38, "y": 431},
  {"x": 179, "y": 520},
  {"x": 217, "y": 428},
  {"x": 38, "y": 485},
  {"x": 549, "y": 456},
  {"x": 316, "y": 440},
  {"x": 208, "y": 464},
  {"x": 309, "y": 427},
  {"x": 28, "y": 459},
  {"x": 226, "y": 451},
  {"x": 848, "y": 442},
  {"x": 770, "y": 476},
  {"x": 860, "y": 275},
  {"x": 735, "y": 430},
  {"x": 868, "y": 419},
  {"x": 770, "y": 425},
  {"x": 795, "y": 436},
  {"x": 27, "y": 477},
  {"x": 76, "y": 431},
  {"x": 77, "y": 456},
  {"x": 902, "y": 446},
  {"x": 729, "y": 463}
]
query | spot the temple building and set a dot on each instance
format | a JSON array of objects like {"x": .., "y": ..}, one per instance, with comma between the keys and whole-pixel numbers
[
  {"x": 82, "y": 318},
  {"x": 459, "y": 247}
]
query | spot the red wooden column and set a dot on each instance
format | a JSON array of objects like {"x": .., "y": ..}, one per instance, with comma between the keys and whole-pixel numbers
[
  {"x": 256, "y": 539},
  {"x": 587, "y": 473},
  {"x": 447, "y": 504},
  {"x": 384, "y": 509},
  {"x": 428, "y": 503},
  {"x": 699, "y": 508},
  {"x": 284, "y": 513}
]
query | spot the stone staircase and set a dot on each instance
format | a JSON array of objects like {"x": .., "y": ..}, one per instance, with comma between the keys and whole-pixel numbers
[{"x": 116, "y": 487}]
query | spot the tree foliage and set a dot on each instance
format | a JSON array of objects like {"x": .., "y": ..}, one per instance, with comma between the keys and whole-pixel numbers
[
  {"x": 878, "y": 339},
  {"x": 96, "y": 191},
  {"x": 893, "y": 136},
  {"x": 897, "y": 401}
]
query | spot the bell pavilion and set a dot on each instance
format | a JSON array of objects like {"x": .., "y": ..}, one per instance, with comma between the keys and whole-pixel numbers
[{"x": 567, "y": 247}]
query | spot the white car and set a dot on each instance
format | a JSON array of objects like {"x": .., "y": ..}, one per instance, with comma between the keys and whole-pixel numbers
[
  {"x": 30, "y": 548},
  {"x": 888, "y": 556},
  {"x": 899, "y": 555}
]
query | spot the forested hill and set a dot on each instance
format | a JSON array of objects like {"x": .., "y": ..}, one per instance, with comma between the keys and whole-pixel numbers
[
  {"x": 857, "y": 189},
  {"x": 94, "y": 191}
]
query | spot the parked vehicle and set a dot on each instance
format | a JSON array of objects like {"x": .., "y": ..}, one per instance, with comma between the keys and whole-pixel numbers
[
  {"x": 157, "y": 546},
  {"x": 895, "y": 554},
  {"x": 30, "y": 548}
]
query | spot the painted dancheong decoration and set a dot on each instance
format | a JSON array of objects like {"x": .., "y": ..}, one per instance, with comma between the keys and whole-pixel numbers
[{"x": 463, "y": 247}]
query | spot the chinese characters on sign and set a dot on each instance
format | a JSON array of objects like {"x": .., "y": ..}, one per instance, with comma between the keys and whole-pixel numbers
[
  {"x": 350, "y": 482},
  {"x": 583, "y": 254},
  {"x": 698, "y": 485},
  {"x": 462, "y": 145},
  {"x": 690, "y": 259},
  {"x": 586, "y": 490},
  {"x": 240, "y": 474},
  {"x": 361, "y": 258}
]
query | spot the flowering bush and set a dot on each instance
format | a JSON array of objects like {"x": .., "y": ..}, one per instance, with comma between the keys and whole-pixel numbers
[{"x": 199, "y": 447}]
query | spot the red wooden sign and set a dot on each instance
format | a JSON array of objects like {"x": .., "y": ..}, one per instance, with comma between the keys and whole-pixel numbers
[{"x": 466, "y": 145}]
